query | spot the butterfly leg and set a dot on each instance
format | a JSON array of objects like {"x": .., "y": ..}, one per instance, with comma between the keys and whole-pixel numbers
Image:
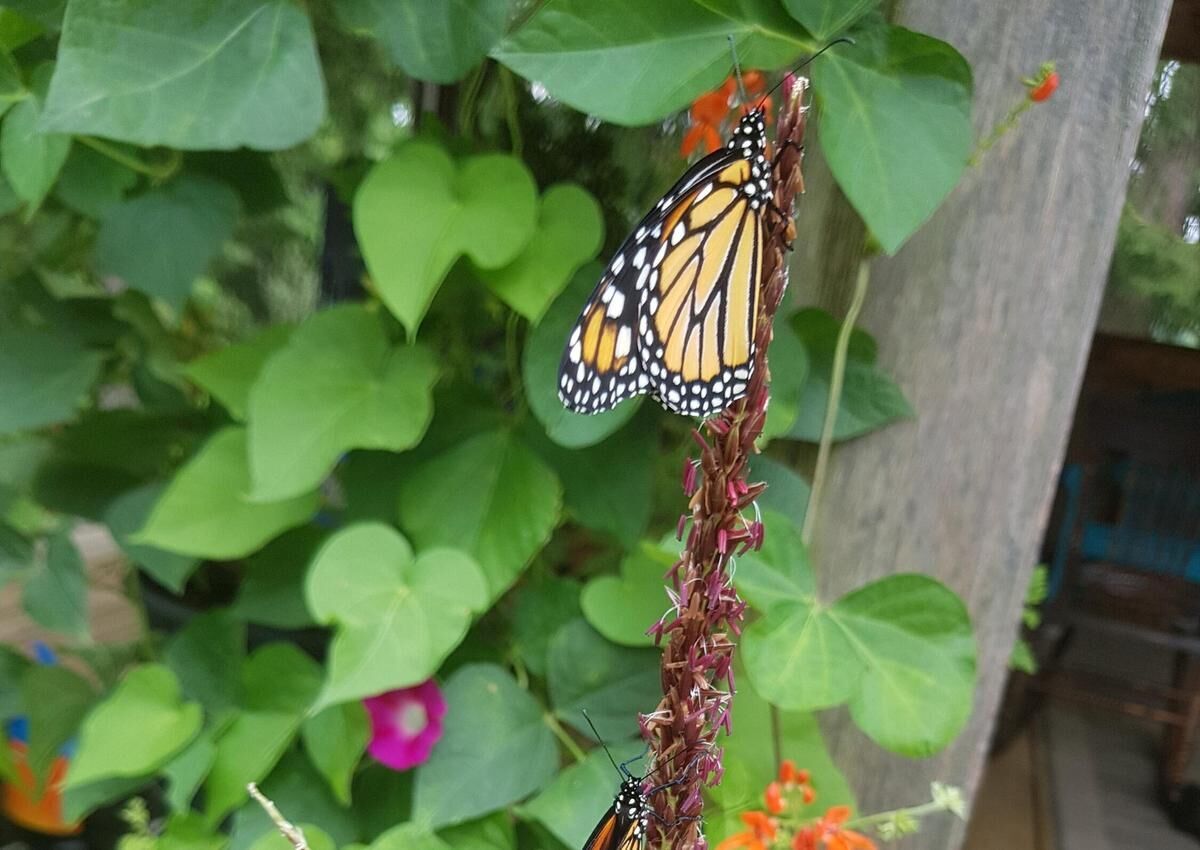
[{"x": 671, "y": 823}]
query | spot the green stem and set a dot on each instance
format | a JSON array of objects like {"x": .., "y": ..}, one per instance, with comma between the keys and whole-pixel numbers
[
  {"x": 835, "y": 396},
  {"x": 561, "y": 733},
  {"x": 930, "y": 808},
  {"x": 157, "y": 172},
  {"x": 999, "y": 131},
  {"x": 508, "y": 84}
]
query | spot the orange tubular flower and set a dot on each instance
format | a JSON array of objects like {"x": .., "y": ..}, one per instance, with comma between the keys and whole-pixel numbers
[
  {"x": 833, "y": 836},
  {"x": 773, "y": 797},
  {"x": 787, "y": 772},
  {"x": 711, "y": 110},
  {"x": 762, "y": 832}
]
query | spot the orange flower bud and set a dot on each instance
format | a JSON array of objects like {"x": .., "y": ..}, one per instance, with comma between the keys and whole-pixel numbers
[{"x": 774, "y": 798}]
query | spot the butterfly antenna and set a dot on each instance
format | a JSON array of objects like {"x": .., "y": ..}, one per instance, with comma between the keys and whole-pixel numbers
[
  {"x": 596, "y": 732},
  {"x": 843, "y": 40},
  {"x": 737, "y": 70}
]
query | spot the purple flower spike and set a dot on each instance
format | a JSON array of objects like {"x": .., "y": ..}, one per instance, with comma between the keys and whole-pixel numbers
[{"x": 405, "y": 724}]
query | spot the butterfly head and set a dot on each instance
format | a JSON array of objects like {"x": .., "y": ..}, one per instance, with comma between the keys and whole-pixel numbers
[
  {"x": 750, "y": 134},
  {"x": 631, "y": 802}
]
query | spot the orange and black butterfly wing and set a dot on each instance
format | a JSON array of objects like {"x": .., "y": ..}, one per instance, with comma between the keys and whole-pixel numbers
[
  {"x": 602, "y": 364},
  {"x": 674, "y": 312},
  {"x": 615, "y": 832}
]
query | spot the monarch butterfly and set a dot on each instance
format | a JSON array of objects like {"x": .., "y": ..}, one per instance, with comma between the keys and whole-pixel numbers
[
  {"x": 623, "y": 826},
  {"x": 674, "y": 313}
]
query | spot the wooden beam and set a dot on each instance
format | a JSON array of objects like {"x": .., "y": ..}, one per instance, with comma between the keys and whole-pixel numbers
[{"x": 985, "y": 318}]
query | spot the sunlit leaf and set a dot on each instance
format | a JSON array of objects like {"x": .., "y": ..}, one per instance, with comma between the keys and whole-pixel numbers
[
  {"x": 188, "y": 74},
  {"x": 895, "y": 126},
  {"x": 429, "y": 39},
  {"x": 484, "y": 207},
  {"x": 397, "y": 616}
]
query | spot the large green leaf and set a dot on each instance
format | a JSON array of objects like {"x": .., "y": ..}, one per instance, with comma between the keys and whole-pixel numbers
[
  {"x": 787, "y": 493},
  {"x": 335, "y": 739},
  {"x": 895, "y": 126},
  {"x": 31, "y": 158},
  {"x": 55, "y": 593},
  {"x": 335, "y": 386},
  {"x": 91, "y": 183},
  {"x": 205, "y": 510},
  {"x": 43, "y": 378},
  {"x": 870, "y": 399},
  {"x": 788, "y": 363},
  {"x": 125, "y": 516},
  {"x": 430, "y": 39},
  {"x": 828, "y": 18},
  {"x": 913, "y": 636},
  {"x": 495, "y": 749},
  {"x": 570, "y": 805},
  {"x": 137, "y": 729},
  {"x": 544, "y": 351},
  {"x": 190, "y": 74},
  {"x": 207, "y": 655},
  {"x": 397, "y": 616},
  {"x": 609, "y": 486},
  {"x": 484, "y": 207},
  {"x": 623, "y": 608},
  {"x": 230, "y": 372},
  {"x": 540, "y": 608},
  {"x": 612, "y": 683},
  {"x": 272, "y": 591},
  {"x": 493, "y": 832},
  {"x": 160, "y": 242},
  {"x": 48, "y": 13},
  {"x": 899, "y": 650},
  {"x": 490, "y": 496},
  {"x": 633, "y": 62},
  {"x": 279, "y": 684},
  {"x": 186, "y": 771},
  {"x": 12, "y": 89},
  {"x": 570, "y": 230}
]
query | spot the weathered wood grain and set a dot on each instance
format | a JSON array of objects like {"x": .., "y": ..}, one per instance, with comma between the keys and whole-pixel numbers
[{"x": 985, "y": 319}]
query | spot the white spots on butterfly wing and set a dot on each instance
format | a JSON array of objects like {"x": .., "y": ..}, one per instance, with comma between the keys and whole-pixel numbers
[
  {"x": 705, "y": 192},
  {"x": 576, "y": 352},
  {"x": 662, "y": 252},
  {"x": 677, "y": 234},
  {"x": 580, "y": 372},
  {"x": 616, "y": 304},
  {"x": 642, "y": 276},
  {"x": 618, "y": 263},
  {"x": 624, "y": 341},
  {"x": 639, "y": 259}
]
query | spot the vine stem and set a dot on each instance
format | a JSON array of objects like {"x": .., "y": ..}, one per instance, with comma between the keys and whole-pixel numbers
[
  {"x": 154, "y": 172},
  {"x": 836, "y": 380},
  {"x": 574, "y": 749}
]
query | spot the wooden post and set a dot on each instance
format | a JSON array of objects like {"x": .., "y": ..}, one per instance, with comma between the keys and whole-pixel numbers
[{"x": 985, "y": 319}]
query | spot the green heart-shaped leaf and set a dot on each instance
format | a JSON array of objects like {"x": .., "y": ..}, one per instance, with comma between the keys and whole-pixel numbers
[
  {"x": 543, "y": 352},
  {"x": 899, "y": 650},
  {"x": 137, "y": 729},
  {"x": 496, "y": 748},
  {"x": 570, "y": 230},
  {"x": 160, "y": 242},
  {"x": 601, "y": 57},
  {"x": 188, "y": 74},
  {"x": 612, "y": 683},
  {"x": 335, "y": 739},
  {"x": 895, "y": 126},
  {"x": 870, "y": 398},
  {"x": 205, "y": 510},
  {"x": 397, "y": 616},
  {"x": 827, "y": 18},
  {"x": 336, "y": 385},
  {"x": 787, "y": 493},
  {"x": 490, "y": 496},
  {"x": 430, "y": 39},
  {"x": 418, "y": 211},
  {"x": 788, "y": 363},
  {"x": 622, "y": 608},
  {"x": 30, "y": 157},
  {"x": 55, "y": 592},
  {"x": 230, "y": 372},
  {"x": 44, "y": 377}
]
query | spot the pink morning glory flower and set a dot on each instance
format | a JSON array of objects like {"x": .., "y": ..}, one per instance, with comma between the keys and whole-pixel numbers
[{"x": 405, "y": 724}]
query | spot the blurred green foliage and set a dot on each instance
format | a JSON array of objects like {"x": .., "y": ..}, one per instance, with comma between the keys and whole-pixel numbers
[{"x": 328, "y": 500}]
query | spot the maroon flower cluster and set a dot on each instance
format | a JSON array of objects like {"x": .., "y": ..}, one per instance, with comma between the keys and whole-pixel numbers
[{"x": 697, "y": 661}]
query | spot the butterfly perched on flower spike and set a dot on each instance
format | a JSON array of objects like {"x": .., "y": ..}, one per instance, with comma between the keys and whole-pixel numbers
[{"x": 674, "y": 313}]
